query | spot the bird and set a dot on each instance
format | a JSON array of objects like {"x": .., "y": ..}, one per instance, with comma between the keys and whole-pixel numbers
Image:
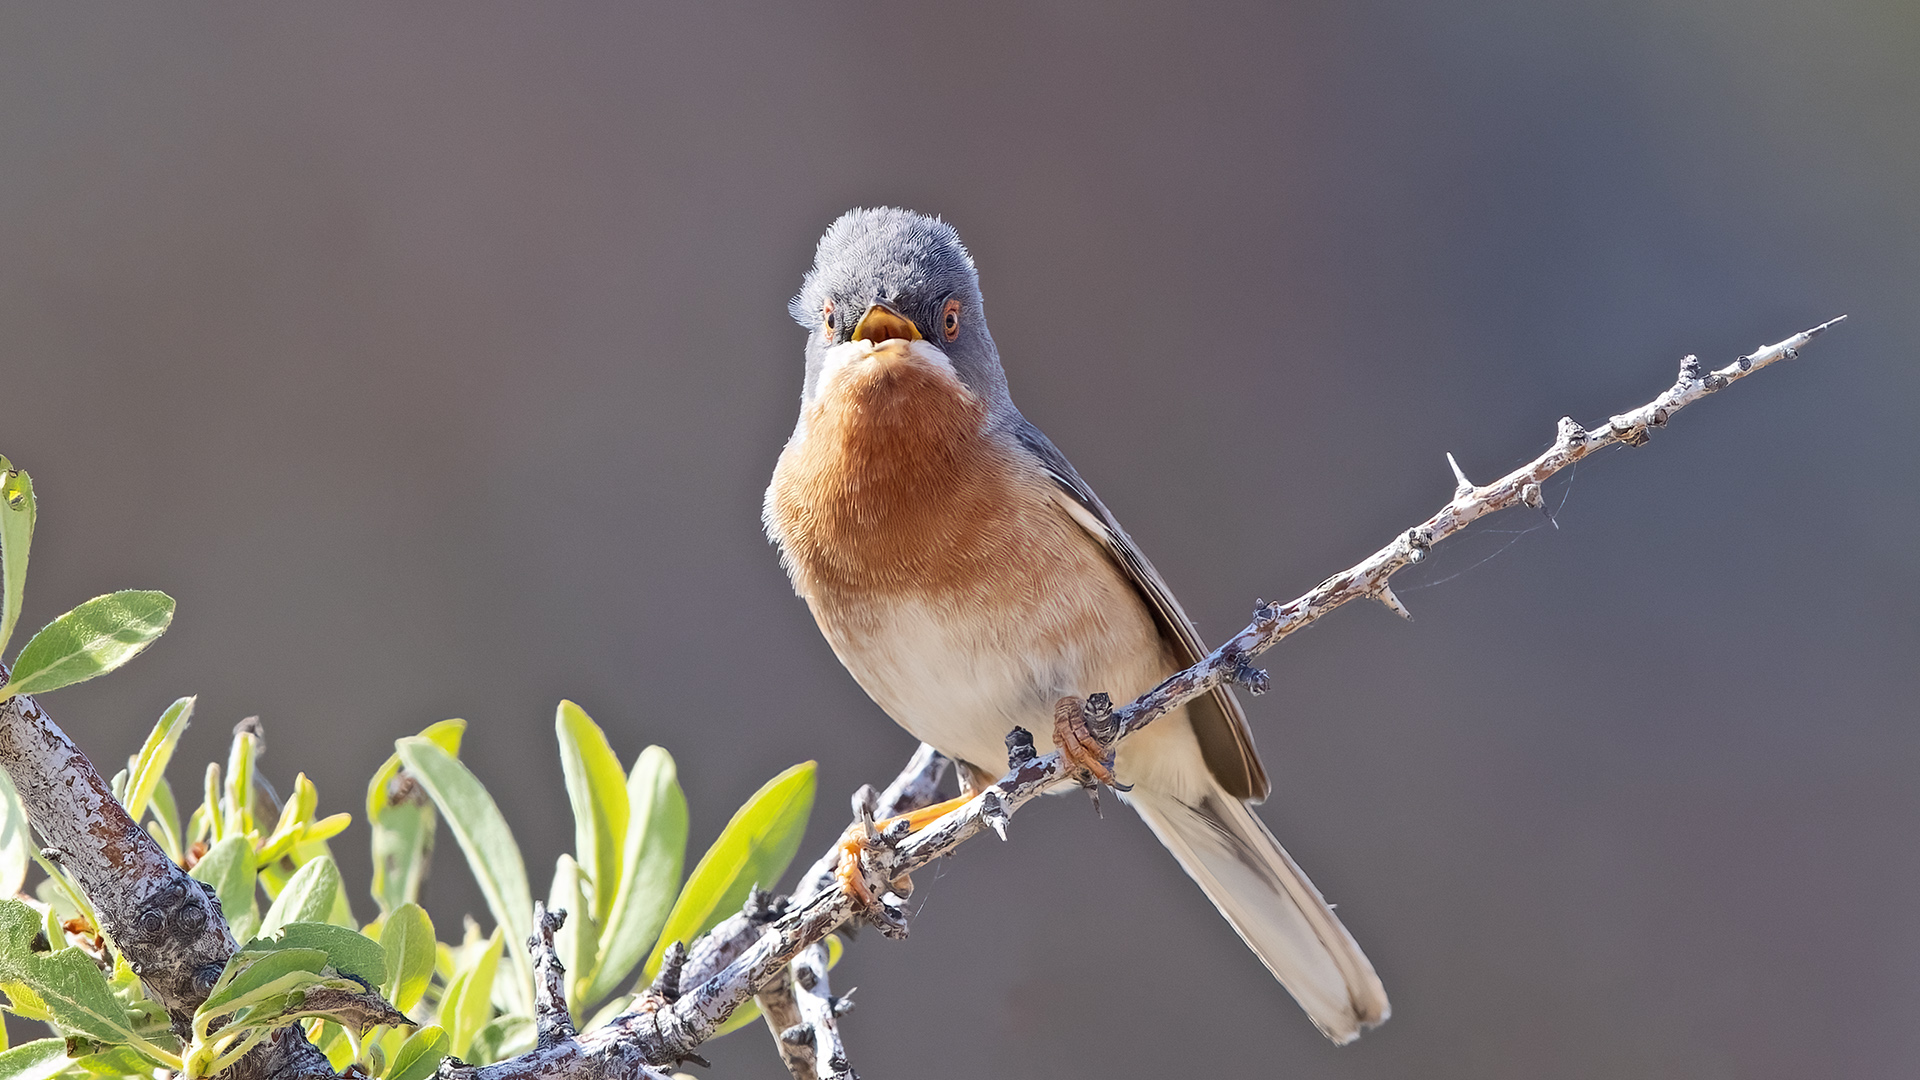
[{"x": 971, "y": 582}]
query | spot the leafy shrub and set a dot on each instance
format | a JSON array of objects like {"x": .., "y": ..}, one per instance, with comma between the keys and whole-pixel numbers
[{"x": 389, "y": 994}]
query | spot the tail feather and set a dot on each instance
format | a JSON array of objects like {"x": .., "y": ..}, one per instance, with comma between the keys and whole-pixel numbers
[{"x": 1275, "y": 909}]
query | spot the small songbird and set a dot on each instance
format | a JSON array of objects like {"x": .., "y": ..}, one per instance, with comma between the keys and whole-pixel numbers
[{"x": 972, "y": 582}]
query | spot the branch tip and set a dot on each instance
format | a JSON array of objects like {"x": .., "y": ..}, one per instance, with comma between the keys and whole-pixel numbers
[{"x": 553, "y": 1024}]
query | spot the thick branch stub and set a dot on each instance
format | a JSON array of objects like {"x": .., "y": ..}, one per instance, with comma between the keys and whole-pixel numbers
[{"x": 820, "y": 1012}]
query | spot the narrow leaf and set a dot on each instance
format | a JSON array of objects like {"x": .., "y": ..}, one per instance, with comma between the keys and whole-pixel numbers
[
  {"x": 408, "y": 941},
  {"x": 403, "y": 823},
  {"x": 16, "y": 537},
  {"x": 420, "y": 1055},
  {"x": 166, "y": 820},
  {"x": 309, "y": 896},
  {"x": 597, "y": 788},
  {"x": 477, "y": 824},
  {"x": 754, "y": 849},
  {"x": 469, "y": 1001},
  {"x": 268, "y": 999},
  {"x": 151, "y": 764},
  {"x": 655, "y": 853},
  {"x": 41, "y": 1059},
  {"x": 228, "y": 867},
  {"x": 92, "y": 639},
  {"x": 578, "y": 938},
  {"x": 250, "y": 971}
]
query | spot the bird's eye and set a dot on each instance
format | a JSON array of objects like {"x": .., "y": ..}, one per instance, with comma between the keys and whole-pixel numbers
[
  {"x": 827, "y": 316},
  {"x": 950, "y": 320}
]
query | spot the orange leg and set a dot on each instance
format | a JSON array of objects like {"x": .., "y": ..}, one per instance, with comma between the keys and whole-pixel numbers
[{"x": 854, "y": 841}]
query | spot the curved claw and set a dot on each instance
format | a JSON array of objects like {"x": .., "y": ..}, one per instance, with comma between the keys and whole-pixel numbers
[{"x": 1088, "y": 754}]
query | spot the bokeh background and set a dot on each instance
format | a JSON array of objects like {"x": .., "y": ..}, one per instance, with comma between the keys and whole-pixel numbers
[{"x": 434, "y": 357}]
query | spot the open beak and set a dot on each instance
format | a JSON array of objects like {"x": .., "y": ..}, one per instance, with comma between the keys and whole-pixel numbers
[{"x": 882, "y": 323}]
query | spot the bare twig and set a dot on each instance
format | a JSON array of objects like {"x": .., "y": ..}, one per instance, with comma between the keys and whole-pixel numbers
[
  {"x": 747, "y": 953},
  {"x": 552, "y": 1023},
  {"x": 820, "y": 1012}
]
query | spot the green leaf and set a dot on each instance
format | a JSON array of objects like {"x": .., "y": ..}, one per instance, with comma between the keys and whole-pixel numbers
[
  {"x": 597, "y": 788},
  {"x": 403, "y": 823},
  {"x": 420, "y": 1055},
  {"x": 309, "y": 896},
  {"x": 121, "y": 1061},
  {"x": 578, "y": 938},
  {"x": 468, "y": 1003},
  {"x": 166, "y": 820},
  {"x": 144, "y": 1013},
  {"x": 16, "y": 537},
  {"x": 291, "y": 827},
  {"x": 64, "y": 983},
  {"x": 237, "y": 800},
  {"x": 754, "y": 849},
  {"x": 408, "y": 941},
  {"x": 16, "y": 845},
  {"x": 249, "y": 972},
  {"x": 228, "y": 867},
  {"x": 476, "y": 822},
  {"x": 90, "y": 640},
  {"x": 656, "y": 851},
  {"x": 502, "y": 1038},
  {"x": 151, "y": 764},
  {"x": 41, "y": 1059},
  {"x": 348, "y": 951}
]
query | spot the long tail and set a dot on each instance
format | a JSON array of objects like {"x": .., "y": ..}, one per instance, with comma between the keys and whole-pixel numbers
[{"x": 1277, "y": 911}]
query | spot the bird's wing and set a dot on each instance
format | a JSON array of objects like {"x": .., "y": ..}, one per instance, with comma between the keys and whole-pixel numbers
[{"x": 1225, "y": 740}]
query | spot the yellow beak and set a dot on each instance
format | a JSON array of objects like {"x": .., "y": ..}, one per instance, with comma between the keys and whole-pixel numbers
[{"x": 882, "y": 323}]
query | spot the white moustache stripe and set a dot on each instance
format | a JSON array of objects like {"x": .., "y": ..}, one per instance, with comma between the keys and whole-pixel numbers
[{"x": 855, "y": 351}]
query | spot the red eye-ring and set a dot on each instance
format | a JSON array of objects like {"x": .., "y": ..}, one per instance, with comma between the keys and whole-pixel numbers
[{"x": 950, "y": 320}]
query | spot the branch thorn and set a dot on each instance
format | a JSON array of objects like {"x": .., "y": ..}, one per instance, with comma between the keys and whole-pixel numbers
[
  {"x": 863, "y": 801},
  {"x": 1462, "y": 487},
  {"x": 1384, "y": 594}
]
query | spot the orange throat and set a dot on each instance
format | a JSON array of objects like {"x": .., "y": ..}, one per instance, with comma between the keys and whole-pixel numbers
[{"x": 892, "y": 483}]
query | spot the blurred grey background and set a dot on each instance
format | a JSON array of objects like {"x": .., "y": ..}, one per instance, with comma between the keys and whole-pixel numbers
[{"x": 434, "y": 357}]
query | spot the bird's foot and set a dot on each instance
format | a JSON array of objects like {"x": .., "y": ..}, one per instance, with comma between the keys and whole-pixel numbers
[
  {"x": 867, "y": 860},
  {"x": 1083, "y": 727}
]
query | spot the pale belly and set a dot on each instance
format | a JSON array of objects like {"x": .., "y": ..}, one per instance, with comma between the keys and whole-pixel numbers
[{"x": 961, "y": 681}]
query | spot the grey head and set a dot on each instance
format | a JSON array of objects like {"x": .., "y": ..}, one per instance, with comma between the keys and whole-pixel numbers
[{"x": 894, "y": 264}]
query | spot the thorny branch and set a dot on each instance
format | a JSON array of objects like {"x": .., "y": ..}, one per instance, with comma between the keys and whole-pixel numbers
[
  {"x": 759, "y": 955},
  {"x": 169, "y": 925}
]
